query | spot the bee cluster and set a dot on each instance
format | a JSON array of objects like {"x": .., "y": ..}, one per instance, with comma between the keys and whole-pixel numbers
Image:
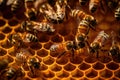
[{"x": 57, "y": 39}]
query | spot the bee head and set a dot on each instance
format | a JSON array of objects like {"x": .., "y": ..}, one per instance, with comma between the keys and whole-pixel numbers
[
  {"x": 35, "y": 63},
  {"x": 93, "y": 8},
  {"x": 32, "y": 14},
  {"x": 10, "y": 73},
  {"x": 69, "y": 45},
  {"x": 114, "y": 50},
  {"x": 81, "y": 37},
  {"x": 94, "y": 47},
  {"x": 91, "y": 21}
]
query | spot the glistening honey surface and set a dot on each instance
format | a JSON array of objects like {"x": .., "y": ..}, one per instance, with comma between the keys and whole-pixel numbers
[{"x": 84, "y": 67}]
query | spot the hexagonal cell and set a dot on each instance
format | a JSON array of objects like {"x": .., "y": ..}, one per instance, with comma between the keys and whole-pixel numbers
[
  {"x": 112, "y": 66},
  {"x": 7, "y": 16},
  {"x": 48, "y": 60},
  {"x": 7, "y": 30},
  {"x": 76, "y": 59},
  {"x": 98, "y": 66},
  {"x": 54, "y": 54},
  {"x": 84, "y": 66},
  {"x": 77, "y": 73},
  {"x": 43, "y": 67},
  {"x": 6, "y": 45},
  {"x": 62, "y": 61},
  {"x": 42, "y": 53},
  {"x": 105, "y": 59},
  {"x": 2, "y": 52},
  {"x": 56, "y": 67},
  {"x": 13, "y": 22},
  {"x": 2, "y": 36},
  {"x": 10, "y": 58},
  {"x": 12, "y": 52},
  {"x": 48, "y": 45},
  {"x": 117, "y": 73},
  {"x": 43, "y": 37},
  {"x": 116, "y": 58},
  {"x": 2, "y": 22},
  {"x": 32, "y": 52},
  {"x": 90, "y": 59},
  {"x": 48, "y": 74},
  {"x": 36, "y": 46},
  {"x": 91, "y": 73},
  {"x": 69, "y": 67},
  {"x": 34, "y": 75},
  {"x": 56, "y": 38},
  {"x": 62, "y": 74},
  {"x": 106, "y": 73}
]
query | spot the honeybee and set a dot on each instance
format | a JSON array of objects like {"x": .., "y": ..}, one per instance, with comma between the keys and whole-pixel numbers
[
  {"x": 44, "y": 27},
  {"x": 13, "y": 72},
  {"x": 27, "y": 26},
  {"x": 34, "y": 65},
  {"x": 25, "y": 57},
  {"x": 117, "y": 13},
  {"x": 98, "y": 42},
  {"x": 31, "y": 13},
  {"x": 61, "y": 10},
  {"x": 34, "y": 27},
  {"x": 82, "y": 32},
  {"x": 15, "y": 39},
  {"x": 82, "y": 15},
  {"x": 28, "y": 37},
  {"x": 18, "y": 40},
  {"x": 114, "y": 49},
  {"x": 83, "y": 2},
  {"x": 49, "y": 13},
  {"x": 15, "y": 4},
  {"x": 62, "y": 48}
]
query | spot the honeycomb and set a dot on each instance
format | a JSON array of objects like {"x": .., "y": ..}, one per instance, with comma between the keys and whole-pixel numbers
[{"x": 84, "y": 67}]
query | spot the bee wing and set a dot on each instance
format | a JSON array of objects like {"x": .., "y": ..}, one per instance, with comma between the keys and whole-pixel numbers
[{"x": 9, "y": 2}]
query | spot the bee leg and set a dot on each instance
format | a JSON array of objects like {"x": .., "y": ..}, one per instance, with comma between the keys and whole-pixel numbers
[
  {"x": 61, "y": 54},
  {"x": 32, "y": 71}
]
